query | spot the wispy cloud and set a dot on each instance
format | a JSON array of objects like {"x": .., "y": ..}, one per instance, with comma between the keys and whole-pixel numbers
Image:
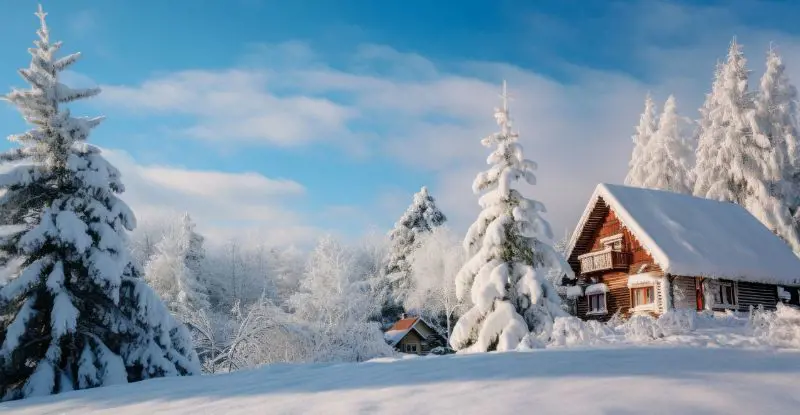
[
  {"x": 223, "y": 204},
  {"x": 430, "y": 115},
  {"x": 234, "y": 105}
]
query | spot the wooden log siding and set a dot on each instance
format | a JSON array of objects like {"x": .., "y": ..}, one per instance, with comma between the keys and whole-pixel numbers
[
  {"x": 753, "y": 294},
  {"x": 619, "y": 296},
  {"x": 602, "y": 223}
]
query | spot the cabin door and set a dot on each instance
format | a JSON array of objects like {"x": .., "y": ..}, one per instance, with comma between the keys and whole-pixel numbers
[{"x": 698, "y": 292}]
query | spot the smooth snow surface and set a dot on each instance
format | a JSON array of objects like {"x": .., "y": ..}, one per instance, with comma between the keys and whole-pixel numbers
[
  {"x": 693, "y": 236},
  {"x": 563, "y": 381}
]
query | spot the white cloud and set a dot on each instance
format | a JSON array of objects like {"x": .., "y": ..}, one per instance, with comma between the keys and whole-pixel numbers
[
  {"x": 219, "y": 184},
  {"x": 430, "y": 118},
  {"x": 233, "y": 105},
  {"x": 223, "y": 204}
]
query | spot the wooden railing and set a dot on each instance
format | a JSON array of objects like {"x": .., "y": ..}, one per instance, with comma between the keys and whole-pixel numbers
[{"x": 603, "y": 260}]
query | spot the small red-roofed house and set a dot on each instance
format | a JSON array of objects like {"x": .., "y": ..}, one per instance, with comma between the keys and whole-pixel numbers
[{"x": 413, "y": 335}]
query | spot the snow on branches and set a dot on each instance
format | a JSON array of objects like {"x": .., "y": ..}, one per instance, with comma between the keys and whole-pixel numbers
[
  {"x": 513, "y": 304},
  {"x": 668, "y": 162},
  {"x": 740, "y": 156},
  {"x": 648, "y": 123},
  {"x": 74, "y": 310},
  {"x": 421, "y": 217}
]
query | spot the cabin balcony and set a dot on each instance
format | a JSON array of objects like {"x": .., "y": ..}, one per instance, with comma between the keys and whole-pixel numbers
[{"x": 604, "y": 260}]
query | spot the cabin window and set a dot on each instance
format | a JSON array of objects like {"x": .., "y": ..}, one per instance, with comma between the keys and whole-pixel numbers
[
  {"x": 613, "y": 242},
  {"x": 725, "y": 294},
  {"x": 411, "y": 348},
  {"x": 642, "y": 296},
  {"x": 597, "y": 303}
]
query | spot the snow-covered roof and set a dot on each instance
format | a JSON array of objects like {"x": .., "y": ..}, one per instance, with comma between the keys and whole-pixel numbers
[
  {"x": 394, "y": 336},
  {"x": 692, "y": 236}
]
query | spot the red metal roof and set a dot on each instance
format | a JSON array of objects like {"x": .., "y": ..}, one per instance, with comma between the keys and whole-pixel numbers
[{"x": 404, "y": 324}]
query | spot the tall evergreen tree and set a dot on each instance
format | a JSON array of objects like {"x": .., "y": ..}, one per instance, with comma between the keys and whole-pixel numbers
[
  {"x": 75, "y": 311},
  {"x": 669, "y": 154},
  {"x": 421, "y": 217},
  {"x": 648, "y": 123},
  {"x": 777, "y": 117},
  {"x": 176, "y": 270},
  {"x": 736, "y": 161},
  {"x": 513, "y": 302}
]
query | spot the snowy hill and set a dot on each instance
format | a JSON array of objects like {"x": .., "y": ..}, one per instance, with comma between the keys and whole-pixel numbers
[{"x": 610, "y": 380}]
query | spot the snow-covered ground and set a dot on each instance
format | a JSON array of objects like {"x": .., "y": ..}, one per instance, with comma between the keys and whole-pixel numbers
[
  {"x": 606, "y": 380},
  {"x": 684, "y": 362}
]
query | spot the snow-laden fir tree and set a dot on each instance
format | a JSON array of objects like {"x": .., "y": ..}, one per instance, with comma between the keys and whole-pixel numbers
[
  {"x": 669, "y": 155},
  {"x": 513, "y": 303},
  {"x": 648, "y": 123},
  {"x": 736, "y": 161},
  {"x": 777, "y": 116},
  {"x": 176, "y": 269},
  {"x": 421, "y": 217},
  {"x": 75, "y": 311}
]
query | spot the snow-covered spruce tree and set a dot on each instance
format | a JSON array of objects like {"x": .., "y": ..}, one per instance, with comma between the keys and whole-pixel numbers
[
  {"x": 506, "y": 277},
  {"x": 176, "y": 269},
  {"x": 648, "y": 123},
  {"x": 777, "y": 116},
  {"x": 77, "y": 313},
  {"x": 669, "y": 155},
  {"x": 421, "y": 216},
  {"x": 736, "y": 161}
]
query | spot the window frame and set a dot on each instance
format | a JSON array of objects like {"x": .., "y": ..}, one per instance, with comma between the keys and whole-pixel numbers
[
  {"x": 720, "y": 289},
  {"x": 613, "y": 242},
  {"x": 603, "y": 303},
  {"x": 643, "y": 306}
]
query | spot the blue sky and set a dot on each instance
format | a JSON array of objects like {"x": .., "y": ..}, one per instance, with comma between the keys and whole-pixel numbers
[{"x": 288, "y": 119}]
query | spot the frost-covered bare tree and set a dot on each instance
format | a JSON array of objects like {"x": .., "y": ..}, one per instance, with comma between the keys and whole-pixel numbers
[
  {"x": 76, "y": 312},
  {"x": 262, "y": 333},
  {"x": 338, "y": 301},
  {"x": 177, "y": 269},
  {"x": 286, "y": 267},
  {"x": 233, "y": 274},
  {"x": 434, "y": 267},
  {"x": 513, "y": 302},
  {"x": 142, "y": 241}
]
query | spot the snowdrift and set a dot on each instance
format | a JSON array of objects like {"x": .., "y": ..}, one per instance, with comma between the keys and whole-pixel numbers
[{"x": 565, "y": 381}]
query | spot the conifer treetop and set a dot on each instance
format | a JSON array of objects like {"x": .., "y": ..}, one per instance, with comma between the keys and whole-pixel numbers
[
  {"x": 506, "y": 275},
  {"x": 647, "y": 127}
]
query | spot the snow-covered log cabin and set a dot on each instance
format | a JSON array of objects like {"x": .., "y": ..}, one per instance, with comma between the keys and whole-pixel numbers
[{"x": 647, "y": 251}]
